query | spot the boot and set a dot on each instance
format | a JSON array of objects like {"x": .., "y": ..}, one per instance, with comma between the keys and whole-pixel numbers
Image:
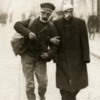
[
  {"x": 42, "y": 97},
  {"x": 41, "y": 92},
  {"x": 30, "y": 94}
]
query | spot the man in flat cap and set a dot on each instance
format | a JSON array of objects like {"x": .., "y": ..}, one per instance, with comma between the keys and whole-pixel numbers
[
  {"x": 73, "y": 54},
  {"x": 34, "y": 51}
]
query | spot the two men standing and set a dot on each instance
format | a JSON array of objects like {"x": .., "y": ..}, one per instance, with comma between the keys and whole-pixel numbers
[{"x": 72, "y": 54}]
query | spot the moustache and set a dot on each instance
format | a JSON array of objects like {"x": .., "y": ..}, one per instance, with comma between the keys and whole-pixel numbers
[{"x": 45, "y": 19}]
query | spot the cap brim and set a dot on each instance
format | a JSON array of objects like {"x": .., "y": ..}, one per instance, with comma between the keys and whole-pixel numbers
[{"x": 46, "y": 10}]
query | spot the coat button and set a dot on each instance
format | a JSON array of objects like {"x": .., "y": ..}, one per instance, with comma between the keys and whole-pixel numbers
[
  {"x": 48, "y": 37},
  {"x": 42, "y": 42},
  {"x": 22, "y": 42},
  {"x": 20, "y": 46}
]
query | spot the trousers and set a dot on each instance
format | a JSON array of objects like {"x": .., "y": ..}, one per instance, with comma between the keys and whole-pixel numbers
[
  {"x": 66, "y": 95},
  {"x": 32, "y": 66}
]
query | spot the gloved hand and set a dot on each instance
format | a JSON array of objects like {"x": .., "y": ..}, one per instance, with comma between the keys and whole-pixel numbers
[
  {"x": 55, "y": 40},
  {"x": 32, "y": 36},
  {"x": 44, "y": 55}
]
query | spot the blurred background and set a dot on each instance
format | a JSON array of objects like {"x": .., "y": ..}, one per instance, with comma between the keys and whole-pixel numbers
[
  {"x": 12, "y": 82},
  {"x": 82, "y": 8}
]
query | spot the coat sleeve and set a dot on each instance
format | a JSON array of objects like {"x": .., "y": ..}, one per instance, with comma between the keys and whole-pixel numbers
[
  {"x": 22, "y": 27},
  {"x": 85, "y": 42},
  {"x": 53, "y": 48}
]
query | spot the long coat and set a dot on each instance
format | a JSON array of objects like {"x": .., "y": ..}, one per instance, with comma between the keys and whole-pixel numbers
[
  {"x": 43, "y": 36},
  {"x": 72, "y": 56}
]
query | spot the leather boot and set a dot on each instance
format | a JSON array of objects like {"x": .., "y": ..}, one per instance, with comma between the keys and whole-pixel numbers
[
  {"x": 41, "y": 92},
  {"x": 30, "y": 94}
]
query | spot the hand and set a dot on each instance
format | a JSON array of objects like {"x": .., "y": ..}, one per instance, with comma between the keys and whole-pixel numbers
[
  {"x": 44, "y": 55},
  {"x": 55, "y": 40},
  {"x": 32, "y": 36}
]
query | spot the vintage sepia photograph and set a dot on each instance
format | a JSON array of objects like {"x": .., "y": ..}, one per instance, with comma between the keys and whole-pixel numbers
[{"x": 49, "y": 50}]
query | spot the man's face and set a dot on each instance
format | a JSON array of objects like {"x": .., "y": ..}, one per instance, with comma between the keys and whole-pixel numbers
[
  {"x": 68, "y": 14},
  {"x": 45, "y": 15}
]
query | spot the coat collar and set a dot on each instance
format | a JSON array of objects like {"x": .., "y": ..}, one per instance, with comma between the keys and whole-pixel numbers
[
  {"x": 71, "y": 24},
  {"x": 44, "y": 28}
]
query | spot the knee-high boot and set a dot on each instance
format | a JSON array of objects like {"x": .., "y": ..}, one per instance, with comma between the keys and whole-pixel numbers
[
  {"x": 41, "y": 92},
  {"x": 30, "y": 94}
]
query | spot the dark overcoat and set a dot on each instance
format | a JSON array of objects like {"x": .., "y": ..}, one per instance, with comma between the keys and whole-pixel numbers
[
  {"x": 92, "y": 23},
  {"x": 72, "y": 56}
]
